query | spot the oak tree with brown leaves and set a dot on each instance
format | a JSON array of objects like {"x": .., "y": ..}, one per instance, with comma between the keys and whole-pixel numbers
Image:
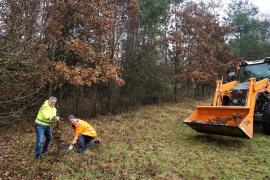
[
  {"x": 51, "y": 43},
  {"x": 198, "y": 49}
]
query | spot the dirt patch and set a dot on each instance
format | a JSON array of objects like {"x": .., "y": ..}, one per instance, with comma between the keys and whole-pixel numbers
[{"x": 17, "y": 160}]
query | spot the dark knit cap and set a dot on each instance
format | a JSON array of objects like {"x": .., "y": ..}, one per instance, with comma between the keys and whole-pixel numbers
[{"x": 71, "y": 116}]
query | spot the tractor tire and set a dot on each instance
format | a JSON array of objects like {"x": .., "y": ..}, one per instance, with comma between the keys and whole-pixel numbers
[{"x": 266, "y": 119}]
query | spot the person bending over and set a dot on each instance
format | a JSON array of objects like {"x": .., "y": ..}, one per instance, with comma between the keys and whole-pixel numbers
[{"x": 84, "y": 134}]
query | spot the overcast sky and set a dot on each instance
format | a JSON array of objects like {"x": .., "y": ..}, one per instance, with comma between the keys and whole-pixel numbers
[{"x": 263, "y": 5}]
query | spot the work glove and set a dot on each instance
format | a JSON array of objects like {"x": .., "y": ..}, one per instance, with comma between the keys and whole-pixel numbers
[
  {"x": 70, "y": 147},
  {"x": 55, "y": 118}
]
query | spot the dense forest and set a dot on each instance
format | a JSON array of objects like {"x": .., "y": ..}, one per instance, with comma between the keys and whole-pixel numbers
[{"x": 107, "y": 56}]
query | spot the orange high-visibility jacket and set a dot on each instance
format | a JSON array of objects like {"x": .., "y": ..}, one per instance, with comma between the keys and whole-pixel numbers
[{"x": 83, "y": 128}]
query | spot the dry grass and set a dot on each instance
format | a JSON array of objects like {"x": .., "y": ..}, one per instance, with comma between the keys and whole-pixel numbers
[{"x": 150, "y": 143}]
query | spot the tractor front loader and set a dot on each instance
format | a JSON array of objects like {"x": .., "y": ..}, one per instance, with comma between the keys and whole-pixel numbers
[{"x": 236, "y": 102}]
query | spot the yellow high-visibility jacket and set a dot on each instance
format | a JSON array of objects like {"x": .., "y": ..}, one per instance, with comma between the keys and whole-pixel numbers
[
  {"x": 46, "y": 114},
  {"x": 83, "y": 128}
]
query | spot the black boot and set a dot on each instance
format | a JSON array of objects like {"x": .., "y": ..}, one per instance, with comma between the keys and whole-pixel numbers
[
  {"x": 38, "y": 157},
  {"x": 97, "y": 142}
]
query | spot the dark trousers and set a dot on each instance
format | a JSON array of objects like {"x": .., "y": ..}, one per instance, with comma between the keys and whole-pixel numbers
[
  {"x": 40, "y": 132},
  {"x": 84, "y": 142}
]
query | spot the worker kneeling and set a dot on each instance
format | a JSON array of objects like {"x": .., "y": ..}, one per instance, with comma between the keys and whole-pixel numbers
[{"x": 84, "y": 134}]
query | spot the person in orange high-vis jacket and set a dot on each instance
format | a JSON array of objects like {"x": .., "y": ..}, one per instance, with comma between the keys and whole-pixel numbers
[{"x": 84, "y": 134}]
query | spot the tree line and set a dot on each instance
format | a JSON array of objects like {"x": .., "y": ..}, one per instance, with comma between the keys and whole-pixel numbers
[{"x": 108, "y": 56}]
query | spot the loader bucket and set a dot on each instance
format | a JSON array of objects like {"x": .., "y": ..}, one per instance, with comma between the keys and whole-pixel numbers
[{"x": 234, "y": 121}]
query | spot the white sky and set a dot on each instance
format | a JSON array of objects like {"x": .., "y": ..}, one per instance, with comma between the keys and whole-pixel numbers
[{"x": 263, "y": 5}]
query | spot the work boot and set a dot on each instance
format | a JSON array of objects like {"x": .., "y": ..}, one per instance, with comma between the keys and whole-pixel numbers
[
  {"x": 80, "y": 151},
  {"x": 43, "y": 155},
  {"x": 97, "y": 142},
  {"x": 38, "y": 157}
]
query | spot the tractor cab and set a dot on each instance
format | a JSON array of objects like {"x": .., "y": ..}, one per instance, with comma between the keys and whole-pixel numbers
[{"x": 258, "y": 69}]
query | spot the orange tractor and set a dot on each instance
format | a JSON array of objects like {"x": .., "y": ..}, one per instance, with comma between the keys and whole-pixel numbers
[{"x": 236, "y": 102}]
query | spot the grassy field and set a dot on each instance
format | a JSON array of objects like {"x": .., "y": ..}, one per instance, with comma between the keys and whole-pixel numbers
[{"x": 149, "y": 143}]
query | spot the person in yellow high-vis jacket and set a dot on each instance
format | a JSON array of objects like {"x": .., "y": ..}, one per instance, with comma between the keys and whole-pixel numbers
[
  {"x": 46, "y": 116},
  {"x": 84, "y": 134}
]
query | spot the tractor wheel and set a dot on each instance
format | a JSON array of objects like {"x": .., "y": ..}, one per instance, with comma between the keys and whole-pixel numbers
[{"x": 266, "y": 119}]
